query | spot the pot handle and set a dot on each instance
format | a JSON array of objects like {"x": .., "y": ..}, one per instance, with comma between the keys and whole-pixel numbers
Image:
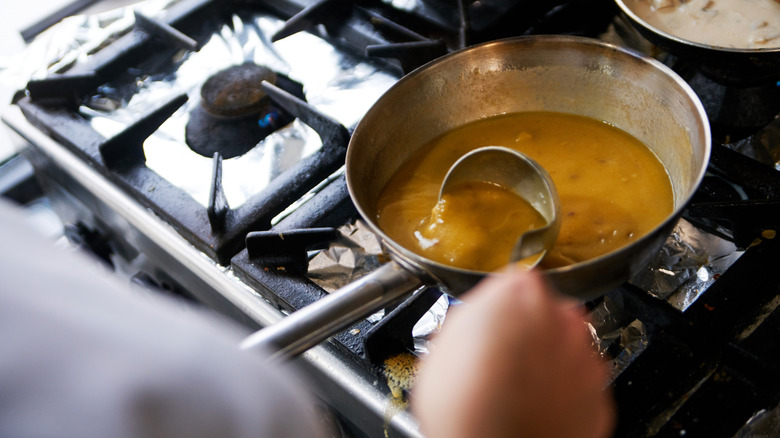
[{"x": 329, "y": 315}]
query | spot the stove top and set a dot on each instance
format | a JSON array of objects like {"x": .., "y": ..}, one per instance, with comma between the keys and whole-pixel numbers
[{"x": 117, "y": 139}]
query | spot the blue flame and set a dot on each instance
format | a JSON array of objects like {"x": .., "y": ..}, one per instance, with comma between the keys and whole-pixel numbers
[{"x": 268, "y": 119}]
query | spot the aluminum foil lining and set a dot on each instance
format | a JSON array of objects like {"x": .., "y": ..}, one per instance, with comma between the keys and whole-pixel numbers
[
  {"x": 338, "y": 84},
  {"x": 355, "y": 253},
  {"x": 687, "y": 264},
  {"x": 431, "y": 323}
]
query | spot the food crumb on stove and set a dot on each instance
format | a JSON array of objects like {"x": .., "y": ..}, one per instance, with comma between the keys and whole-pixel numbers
[{"x": 401, "y": 372}]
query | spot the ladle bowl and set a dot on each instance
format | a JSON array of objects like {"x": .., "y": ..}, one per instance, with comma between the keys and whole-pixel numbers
[{"x": 521, "y": 175}]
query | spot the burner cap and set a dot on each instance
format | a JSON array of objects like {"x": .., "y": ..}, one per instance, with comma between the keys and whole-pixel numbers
[
  {"x": 206, "y": 134},
  {"x": 235, "y": 114},
  {"x": 235, "y": 91}
]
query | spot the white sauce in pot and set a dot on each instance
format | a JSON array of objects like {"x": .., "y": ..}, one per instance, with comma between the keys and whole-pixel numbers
[{"x": 744, "y": 24}]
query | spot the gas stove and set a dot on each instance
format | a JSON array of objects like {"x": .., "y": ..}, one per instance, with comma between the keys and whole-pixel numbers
[{"x": 156, "y": 163}]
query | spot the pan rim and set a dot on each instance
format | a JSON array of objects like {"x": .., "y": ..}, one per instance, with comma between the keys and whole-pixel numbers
[{"x": 521, "y": 41}]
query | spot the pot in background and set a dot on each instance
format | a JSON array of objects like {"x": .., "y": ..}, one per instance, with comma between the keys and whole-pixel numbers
[{"x": 727, "y": 65}]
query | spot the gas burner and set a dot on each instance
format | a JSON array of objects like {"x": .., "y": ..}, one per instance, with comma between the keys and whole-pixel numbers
[
  {"x": 236, "y": 92},
  {"x": 235, "y": 113}
]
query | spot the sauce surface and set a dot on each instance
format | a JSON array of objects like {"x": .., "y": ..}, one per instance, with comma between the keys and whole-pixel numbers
[
  {"x": 612, "y": 190},
  {"x": 745, "y": 24},
  {"x": 484, "y": 212}
]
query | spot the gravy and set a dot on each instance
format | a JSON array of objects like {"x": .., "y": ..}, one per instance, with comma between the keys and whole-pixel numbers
[
  {"x": 612, "y": 190},
  {"x": 491, "y": 216}
]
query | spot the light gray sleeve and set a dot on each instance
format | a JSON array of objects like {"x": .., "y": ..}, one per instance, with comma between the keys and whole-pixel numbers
[{"x": 83, "y": 354}]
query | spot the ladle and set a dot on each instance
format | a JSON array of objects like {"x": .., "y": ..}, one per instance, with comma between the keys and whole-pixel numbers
[
  {"x": 314, "y": 323},
  {"x": 520, "y": 174}
]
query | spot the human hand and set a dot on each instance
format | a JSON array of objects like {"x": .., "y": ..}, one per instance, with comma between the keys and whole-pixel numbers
[{"x": 513, "y": 360}]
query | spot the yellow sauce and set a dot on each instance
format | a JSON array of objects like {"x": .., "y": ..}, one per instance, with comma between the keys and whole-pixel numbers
[
  {"x": 493, "y": 214},
  {"x": 612, "y": 190}
]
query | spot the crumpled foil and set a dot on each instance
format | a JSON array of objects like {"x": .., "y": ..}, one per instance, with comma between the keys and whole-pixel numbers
[
  {"x": 72, "y": 40},
  {"x": 687, "y": 264},
  {"x": 337, "y": 84},
  {"x": 430, "y": 323},
  {"x": 356, "y": 252}
]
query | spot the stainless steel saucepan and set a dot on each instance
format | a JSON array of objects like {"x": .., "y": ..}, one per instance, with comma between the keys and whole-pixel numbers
[{"x": 539, "y": 73}]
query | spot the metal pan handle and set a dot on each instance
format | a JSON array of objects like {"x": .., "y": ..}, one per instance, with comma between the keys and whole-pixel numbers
[{"x": 329, "y": 315}]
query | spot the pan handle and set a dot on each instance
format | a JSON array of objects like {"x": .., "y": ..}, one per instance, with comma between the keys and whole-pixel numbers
[{"x": 329, "y": 315}]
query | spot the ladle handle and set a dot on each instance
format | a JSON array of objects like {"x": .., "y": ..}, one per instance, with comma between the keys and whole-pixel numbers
[{"x": 329, "y": 315}]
